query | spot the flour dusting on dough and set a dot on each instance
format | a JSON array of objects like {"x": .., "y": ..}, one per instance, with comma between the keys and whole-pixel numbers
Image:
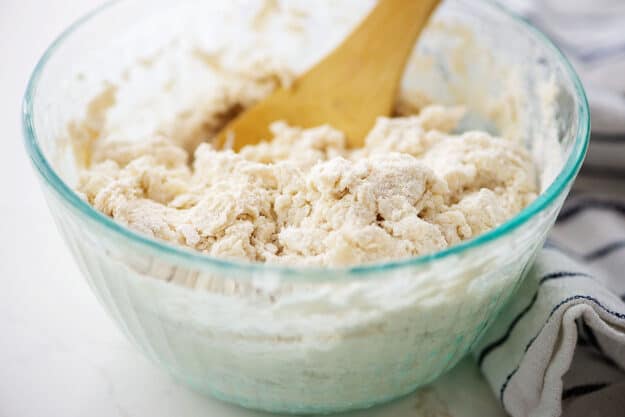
[{"x": 304, "y": 198}]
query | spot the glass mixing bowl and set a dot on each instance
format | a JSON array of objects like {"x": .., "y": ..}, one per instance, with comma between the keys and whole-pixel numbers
[{"x": 314, "y": 340}]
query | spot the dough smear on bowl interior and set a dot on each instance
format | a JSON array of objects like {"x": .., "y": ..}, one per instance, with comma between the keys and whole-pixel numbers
[{"x": 303, "y": 198}]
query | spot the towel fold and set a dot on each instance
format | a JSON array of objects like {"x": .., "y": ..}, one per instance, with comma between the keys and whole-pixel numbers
[{"x": 561, "y": 338}]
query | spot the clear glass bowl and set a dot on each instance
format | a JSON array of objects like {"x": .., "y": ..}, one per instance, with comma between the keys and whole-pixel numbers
[{"x": 318, "y": 340}]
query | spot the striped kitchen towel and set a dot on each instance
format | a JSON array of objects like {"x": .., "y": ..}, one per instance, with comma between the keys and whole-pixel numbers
[
  {"x": 558, "y": 348},
  {"x": 592, "y": 34}
]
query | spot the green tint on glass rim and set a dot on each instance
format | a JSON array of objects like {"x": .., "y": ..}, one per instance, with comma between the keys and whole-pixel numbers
[{"x": 559, "y": 185}]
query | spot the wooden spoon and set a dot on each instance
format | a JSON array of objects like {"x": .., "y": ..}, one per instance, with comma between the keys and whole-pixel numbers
[{"x": 349, "y": 88}]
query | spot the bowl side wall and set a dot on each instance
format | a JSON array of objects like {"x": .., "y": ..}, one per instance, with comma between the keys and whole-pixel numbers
[{"x": 329, "y": 341}]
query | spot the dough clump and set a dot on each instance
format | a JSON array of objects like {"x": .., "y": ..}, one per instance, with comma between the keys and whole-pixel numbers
[{"x": 303, "y": 198}]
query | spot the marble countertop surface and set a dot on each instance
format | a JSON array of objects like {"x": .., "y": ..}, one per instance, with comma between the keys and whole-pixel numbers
[{"x": 60, "y": 355}]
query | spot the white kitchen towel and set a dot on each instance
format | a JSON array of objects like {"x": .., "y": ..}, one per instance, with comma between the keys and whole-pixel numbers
[
  {"x": 592, "y": 34},
  {"x": 560, "y": 313},
  {"x": 558, "y": 348}
]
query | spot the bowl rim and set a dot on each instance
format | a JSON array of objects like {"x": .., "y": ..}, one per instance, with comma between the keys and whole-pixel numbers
[{"x": 566, "y": 175}]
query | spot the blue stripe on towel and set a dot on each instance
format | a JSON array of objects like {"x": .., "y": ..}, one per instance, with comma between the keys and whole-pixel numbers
[
  {"x": 591, "y": 256},
  {"x": 604, "y": 251},
  {"x": 601, "y": 54},
  {"x": 617, "y": 138},
  {"x": 492, "y": 346},
  {"x": 580, "y": 390},
  {"x": 550, "y": 244},
  {"x": 603, "y": 172},
  {"x": 576, "y": 208}
]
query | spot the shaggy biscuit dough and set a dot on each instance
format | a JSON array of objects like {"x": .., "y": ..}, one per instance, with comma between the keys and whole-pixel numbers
[{"x": 305, "y": 199}]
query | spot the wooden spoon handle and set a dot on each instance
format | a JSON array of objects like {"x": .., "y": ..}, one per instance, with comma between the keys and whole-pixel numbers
[
  {"x": 383, "y": 41},
  {"x": 349, "y": 88},
  {"x": 368, "y": 66}
]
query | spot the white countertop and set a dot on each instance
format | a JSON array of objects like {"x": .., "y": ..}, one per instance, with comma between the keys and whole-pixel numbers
[{"x": 60, "y": 355}]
